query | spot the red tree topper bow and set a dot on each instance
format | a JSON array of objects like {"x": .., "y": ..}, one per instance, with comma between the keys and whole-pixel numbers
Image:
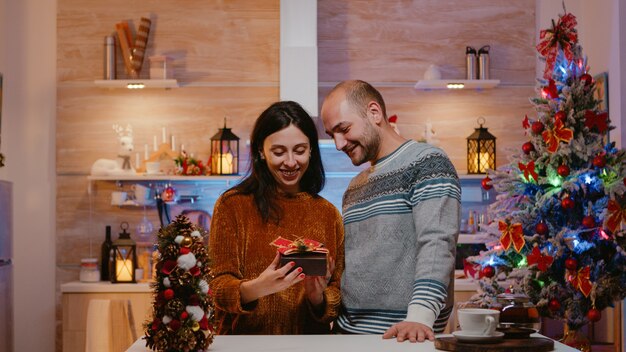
[
  {"x": 528, "y": 170},
  {"x": 581, "y": 280},
  {"x": 616, "y": 215},
  {"x": 511, "y": 234},
  {"x": 299, "y": 245},
  {"x": 562, "y": 34},
  {"x": 599, "y": 121},
  {"x": 542, "y": 261},
  {"x": 554, "y": 136}
]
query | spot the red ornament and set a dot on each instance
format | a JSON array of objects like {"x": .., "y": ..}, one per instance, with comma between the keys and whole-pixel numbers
[
  {"x": 169, "y": 194},
  {"x": 168, "y": 294},
  {"x": 485, "y": 183},
  {"x": 537, "y": 127},
  {"x": 567, "y": 203},
  {"x": 542, "y": 229},
  {"x": 589, "y": 221},
  {"x": 571, "y": 264},
  {"x": 599, "y": 161},
  {"x": 184, "y": 315},
  {"x": 184, "y": 250},
  {"x": 563, "y": 170},
  {"x": 587, "y": 79},
  {"x": 594, "y": 315},
  {"x": 560, "y": 116},
  {"x": 554, "y": 305},
  {"x": 528, "y": 147},
  {"x": 174, "y": 324},
  {"x": 489, "y": 271}
]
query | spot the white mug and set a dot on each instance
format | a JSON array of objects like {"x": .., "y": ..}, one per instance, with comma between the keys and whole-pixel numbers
[
  {"x": 478, "y": 321},
  {"x": 153, "y": 167},
  {"x": 118, "y": 198},
  {"x": 143, "y": 194}
]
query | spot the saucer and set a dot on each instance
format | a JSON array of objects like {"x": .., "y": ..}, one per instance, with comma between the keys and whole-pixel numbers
[{"x": 465, "y": 337}]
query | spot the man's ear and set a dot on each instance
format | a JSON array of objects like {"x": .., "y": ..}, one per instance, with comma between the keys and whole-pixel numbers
[{"x": 375, "y": 112}]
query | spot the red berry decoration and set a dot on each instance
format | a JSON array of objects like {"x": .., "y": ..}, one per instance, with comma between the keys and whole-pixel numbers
[
  {"x": 184, "y": 315},
  {"x": 594, "y": 315},
  {"x": 587, "y": 79},
  {"x": 571, "y": 264},
  {"x": 168, "y": 294},
  {"x": 528, "y": 147},
  {"x": 489, "y": 271},
  {"x": 563, "y": 170},
  {"x": 599, "y": 161},
  {"x": 485, "y": 183},
  {"x": 554, "y": 305},
  {"x": 537, "y": 127},
  {"x": 567, "y": 203},
  {"x": 560, "y": 116},
  {"x": 542, "y": 229},
  {"x": 589, "y": 221}
]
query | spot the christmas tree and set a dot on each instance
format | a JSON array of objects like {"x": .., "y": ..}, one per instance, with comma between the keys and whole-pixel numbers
[
  {"x": 182, "y": 318},
  {"x": 560, "y": 210}
]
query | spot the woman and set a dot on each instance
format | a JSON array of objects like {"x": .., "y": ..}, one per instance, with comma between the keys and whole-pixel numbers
[{"x": 253, "y": 295}]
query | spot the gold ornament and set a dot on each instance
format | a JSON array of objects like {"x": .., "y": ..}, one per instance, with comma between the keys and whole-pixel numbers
[
  {"x": 195, "y": 326},
  {"x": 186, "y": 242}
]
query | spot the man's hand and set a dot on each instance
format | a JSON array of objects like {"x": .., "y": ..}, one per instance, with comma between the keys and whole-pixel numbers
[{"x": 412, "y": 331}]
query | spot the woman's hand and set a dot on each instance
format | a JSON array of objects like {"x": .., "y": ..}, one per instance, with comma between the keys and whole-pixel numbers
[
  {"x": 314, "y": 285},
  {"x": 271, "y": 280}
]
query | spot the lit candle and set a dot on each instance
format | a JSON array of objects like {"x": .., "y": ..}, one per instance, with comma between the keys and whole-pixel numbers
[
  {"x": 173, "y": 144},
  {"x": 223, "y": 164},
  {"x": 145, "y": 151},
  {"x": 137, "y": 161},
  {"x": 124, "y": 270},
  {"x": 164, "y": 135},
  {"x": 155, "y": 143}
]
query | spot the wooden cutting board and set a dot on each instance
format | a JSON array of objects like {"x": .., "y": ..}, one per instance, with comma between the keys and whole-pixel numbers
[{"x": 535, "y": 344}]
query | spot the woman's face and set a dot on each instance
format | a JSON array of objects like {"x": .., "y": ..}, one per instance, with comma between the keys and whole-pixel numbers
[{"x": 287, "y": 153}]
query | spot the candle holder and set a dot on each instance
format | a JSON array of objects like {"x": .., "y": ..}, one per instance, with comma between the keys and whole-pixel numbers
[
  {"x": 123, "y": 257},
  {"x": 225, "y": 152}
]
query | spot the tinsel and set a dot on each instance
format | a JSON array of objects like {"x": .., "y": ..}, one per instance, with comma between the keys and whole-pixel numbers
[
  {"x": 529, "y": 190},
  {"x": 182, "y": 309}
]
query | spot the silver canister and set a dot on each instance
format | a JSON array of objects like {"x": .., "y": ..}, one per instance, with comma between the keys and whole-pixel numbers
[
  {"x": 109, "y": 57},
  {"x": 483, "y": 62},
  {"x": 470, "y": 63}
]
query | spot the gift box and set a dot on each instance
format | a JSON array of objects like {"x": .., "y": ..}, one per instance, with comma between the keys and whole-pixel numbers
[{"x": 309, "y": 255}]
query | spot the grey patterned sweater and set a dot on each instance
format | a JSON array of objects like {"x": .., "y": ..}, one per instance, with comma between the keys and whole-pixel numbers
[{"x": 401, "y": 219}]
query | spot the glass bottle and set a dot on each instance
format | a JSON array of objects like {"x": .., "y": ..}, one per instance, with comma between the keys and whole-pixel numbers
[{"x": 105, "y": 253}]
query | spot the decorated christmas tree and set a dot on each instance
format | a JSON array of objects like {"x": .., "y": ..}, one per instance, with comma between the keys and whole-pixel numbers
[
  {"x": 182, "y": 318},
  {"x": 560, "y": 211}
]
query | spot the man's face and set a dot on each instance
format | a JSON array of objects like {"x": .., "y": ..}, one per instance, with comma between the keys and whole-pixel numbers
[{"x": 354, "y": 134}]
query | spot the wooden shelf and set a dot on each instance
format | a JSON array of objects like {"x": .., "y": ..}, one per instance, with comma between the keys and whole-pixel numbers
[
  {"x": 128, "y": 83},
  {"x": 466, "y": 84},
  {"x": 162, "y": 178}
]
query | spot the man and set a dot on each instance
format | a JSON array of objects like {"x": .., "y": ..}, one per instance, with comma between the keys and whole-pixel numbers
[{"x": 401, "y": 219}]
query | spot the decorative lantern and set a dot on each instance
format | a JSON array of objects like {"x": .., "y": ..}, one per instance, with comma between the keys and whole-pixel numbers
[
  {"x": 225, "y": 152},
  {"x": 123, "y": 258},
  {"x": 481, "y": 150}
]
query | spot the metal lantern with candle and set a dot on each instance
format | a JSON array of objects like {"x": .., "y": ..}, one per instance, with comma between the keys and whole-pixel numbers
[
  {"x": 123, "y": 258},
  {"x": 481, "y": 150},
  {"x": 225, "y": 152}
]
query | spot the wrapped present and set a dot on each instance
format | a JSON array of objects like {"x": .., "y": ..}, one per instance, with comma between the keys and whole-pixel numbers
[{"x": 310, "y": 255}]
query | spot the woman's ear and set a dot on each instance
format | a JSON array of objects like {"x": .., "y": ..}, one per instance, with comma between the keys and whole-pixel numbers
[{"x": 261, "y": 155}]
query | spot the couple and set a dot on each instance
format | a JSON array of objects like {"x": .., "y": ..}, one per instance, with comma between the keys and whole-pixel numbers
[{"x": 401, "y": 220}]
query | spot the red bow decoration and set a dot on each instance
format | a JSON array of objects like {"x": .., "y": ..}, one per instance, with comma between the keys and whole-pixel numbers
[
  {"x": 511, "y": 234},
  {"x": 599, "y": 121},
  {"x": 554, "y": 136},
  {"x": 562, "y": 34},
  {"x": 581, "y": 280},
  {"x": 550, "y": 91},
  {"x": 525, "y": 122},
  {"x": 616, "y": 215},
  {"x": 528, "y": 170},
  {"x": 542, "y": 261},
  {"x": 299, "y": 245}
]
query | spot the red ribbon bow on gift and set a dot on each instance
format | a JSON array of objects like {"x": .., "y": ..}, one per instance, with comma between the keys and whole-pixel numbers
[
  {"x": 511, "y": 234},
  {"x": 299, "y": 245},
  {"x": 596, "y": 120},
  {"x": 562, "y": 34},
  {"x": 542, "y": 261},
  {"x": 528, "y": 170},
  {"x": 581, "y": 280},
  {"x": 557, "y": 134},
  {"x": 616, "y": 215}
]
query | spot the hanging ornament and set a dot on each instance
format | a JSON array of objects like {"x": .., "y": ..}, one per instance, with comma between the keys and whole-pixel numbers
[
  {"x": 168, "y": 294},
  {"x": 594, "y": 315},
  {"x": 511, "y": 234},
  {"x": 168, "y": 194},
  {"x": 542, "y": 261},
  {"x": 599, "y": 161},
  {"x": 587, "y": 79},
  {"x": 489, "y": 271},
  {"x": 567, "y": 203},
  {"x": 537, "y": 127},
  {"x": 528, "y": 170},
  {"x": 555, "y": 136},
  {"x": 486, "y": 183},
  {"x": 542, "y": 229},
  {"x": 560, "y": 116},
  {"x": 186, "y": 242},
  {"x": 563, "y": 170},
  {"x": 589, "y": 222},
  {"x": 550, "y": 92},
  {"x": 554, "y": 305},
  {"x": 528, "y": 147},
  {"x": 571, "y": 264}
]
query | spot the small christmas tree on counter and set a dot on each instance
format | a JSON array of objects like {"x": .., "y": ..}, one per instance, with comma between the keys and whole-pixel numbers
[
  {"x": 561, "y": 204},
  {"x": 182, "y": 318}
]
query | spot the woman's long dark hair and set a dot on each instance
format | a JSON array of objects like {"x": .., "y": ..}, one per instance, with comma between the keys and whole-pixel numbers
[{"x": 260, "y": 181}]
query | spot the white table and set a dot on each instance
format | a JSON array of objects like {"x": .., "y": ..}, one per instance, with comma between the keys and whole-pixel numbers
[{"x": 316, "y": 343}]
